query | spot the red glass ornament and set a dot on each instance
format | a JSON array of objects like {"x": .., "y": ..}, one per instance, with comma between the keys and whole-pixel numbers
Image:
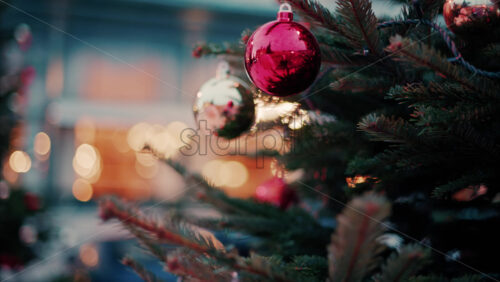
[
  {"x": 282, "y": 57},
  {"x": 472, "y": 18},
  {"x": 275, "y": 192},
  {"x": 31, "y": 201}
]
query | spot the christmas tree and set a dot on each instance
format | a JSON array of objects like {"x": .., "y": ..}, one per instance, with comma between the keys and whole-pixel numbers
[
  {"x": 397, "y": 142},
  {"x": 19, "y": 232}
]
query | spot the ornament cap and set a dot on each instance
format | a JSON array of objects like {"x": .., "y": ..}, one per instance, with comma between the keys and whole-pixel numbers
[{"x": 285, "y": 13}]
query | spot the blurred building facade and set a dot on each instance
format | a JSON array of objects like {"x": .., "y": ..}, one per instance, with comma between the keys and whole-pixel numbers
[{"x": 103, "y": 66}]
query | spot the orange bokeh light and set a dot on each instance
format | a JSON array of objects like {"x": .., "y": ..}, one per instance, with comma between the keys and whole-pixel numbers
[
  {"x": 82, "y": 190},
  {"x": 89, "y": 255},
  {"x": 41, "y": 145},
  {"x": 20, "y": 162}
]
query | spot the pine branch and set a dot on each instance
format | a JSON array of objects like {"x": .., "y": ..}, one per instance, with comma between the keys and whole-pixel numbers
[
  {"x": 211, "y": 49},
  {"x": 480, "y": 141},
  {"x": 469, "y": 278},
  {"x": 435, "y": 94},
  {"x": 422, "y": 55},
  {"x": 429, "y": 278},
  {"x": 221, "y": 201},
  {"x": 479, "y": 214},
  {"x": 285, "y": 234},
  {"x": 148, "y": 243},
  {"x": 357, "y": 82},
  {"x": 312, "y": 268},
  {"x": 334, "y": 56},
  {"x": 354, "y": 251},
  {"x": 318, "y": 15},
  {"x": 460, "y": 183},
  {"x": 189, "y": 238},
  {"x": 171, "y": 234},
  {"x": 393, "y": 130},
  {"x": 437, "y": 278},
  {"x": 140, "y": 270},
  {"x": 195, "y": 267},
  {"x": 491, "y": 51},
  {"x": 461, "y": 112},
  {"x": 401, "y": 266},
  {"x": 361, "y": 23}
]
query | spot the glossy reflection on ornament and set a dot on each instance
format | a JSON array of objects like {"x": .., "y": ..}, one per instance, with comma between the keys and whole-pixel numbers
[{"x": 224, "y": 105}]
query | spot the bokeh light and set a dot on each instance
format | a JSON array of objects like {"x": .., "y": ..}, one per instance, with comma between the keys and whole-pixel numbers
[
  {"x": 210, "y": 172},
  {"x": 89, "y": 255},
  {"x": 165, "y": 141},
  {"x": 147, "y": 172},
  {"x": 353, "y": 181},
  {"x": 145, "y": 158},
  {"x": 42, "y": 145},
  {"x": 20, "y": 162},
  {"x": 82, "y": 190},
  {"x": 87, "y": 162},
  {"x": 231, "y": 174},
  {"x": 138, "y": 136}
]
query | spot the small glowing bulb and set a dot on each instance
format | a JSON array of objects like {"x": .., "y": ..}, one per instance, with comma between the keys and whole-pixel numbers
[
  {"x": 20, "y": 162},
  {"x": 42, "y": 144},
  {"x": 89, "y": 255},
  {"x": 82, "y": 190}
]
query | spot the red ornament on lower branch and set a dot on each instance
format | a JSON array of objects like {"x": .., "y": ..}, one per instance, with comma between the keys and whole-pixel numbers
[{"x": 276, "y": 192}]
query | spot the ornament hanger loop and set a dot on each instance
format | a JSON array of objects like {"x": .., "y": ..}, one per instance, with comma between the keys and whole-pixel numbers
[
  {"x": 285, "y": 13},
  {"x": 222, "y": 70},
  {"x": 285, "y": 7}
]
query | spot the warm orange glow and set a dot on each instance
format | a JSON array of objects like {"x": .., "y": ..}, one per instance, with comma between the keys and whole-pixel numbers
[
  {"x": 54, "y": 82},
  {"x": 41, "y": 145},
  {"x": 146, "y": 165},
  {"x": 139, "y": 135},
  {"x": 272, "y": 111},
  {"x": 119, "y": 139},
  {"x": 106, "y": 80},
  {"x": 87, "y": 162},
  {"x": 353, "y": 181},
  {"x": 82, "y": 190},
  {"x": 89, "y": 255},
  {"x": 85, "y": 131},
  {"x": 164, "y": 141},
  {"x": 146, "y": 158},
  {"x": 20, "y": 162},
  {"x": 147, "y": 172},
  {"x": 277, "y": 169},
  {"x": 9, "y": 175},
  {"x": 211, "y": 172},
  {"x": 86, "y": 156},
  {"x": 470, "y": 193},
  {"x": 231, "y": 174}
]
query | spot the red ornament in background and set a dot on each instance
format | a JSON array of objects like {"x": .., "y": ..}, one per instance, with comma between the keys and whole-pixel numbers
[
  {"x": 275, "y": 192},
  {"x": 282, "y": 57},
  {"x": 31, "y": 201},
  {"x": 470, "y": 193},
  {"x": 472, "y": 18}
]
